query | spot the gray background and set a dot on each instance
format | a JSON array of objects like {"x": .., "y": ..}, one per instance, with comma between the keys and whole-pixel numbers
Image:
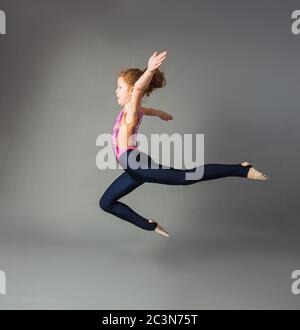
[{"x": 232, "y": 74}]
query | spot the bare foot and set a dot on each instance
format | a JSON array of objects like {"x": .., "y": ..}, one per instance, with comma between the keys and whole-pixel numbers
[
  {"x": 254, "y": 174},
  {"x": 159, "y": 229}
]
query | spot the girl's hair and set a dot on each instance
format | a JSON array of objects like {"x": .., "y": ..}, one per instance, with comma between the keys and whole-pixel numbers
[{"x": 131, "y": 75}]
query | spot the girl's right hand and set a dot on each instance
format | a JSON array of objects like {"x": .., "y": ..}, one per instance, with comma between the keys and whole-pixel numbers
[
  {"x": 156, "y": 60},
  {"x": 164, "y": 115}
]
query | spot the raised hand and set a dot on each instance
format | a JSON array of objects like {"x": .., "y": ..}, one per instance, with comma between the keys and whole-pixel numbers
[{"x": 156, "y": 60}]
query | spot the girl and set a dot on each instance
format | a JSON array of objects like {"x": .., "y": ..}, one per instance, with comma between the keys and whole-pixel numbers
[{"x": 132, "y": 85}]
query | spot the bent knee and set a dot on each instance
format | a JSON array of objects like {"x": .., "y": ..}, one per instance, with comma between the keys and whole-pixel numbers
[{"x": 104, "y": 204}]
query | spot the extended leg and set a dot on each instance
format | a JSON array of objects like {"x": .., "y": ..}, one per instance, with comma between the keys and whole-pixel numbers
[
  {"x": 171, "y": 176},
  {"x": 122, "y": 186}
]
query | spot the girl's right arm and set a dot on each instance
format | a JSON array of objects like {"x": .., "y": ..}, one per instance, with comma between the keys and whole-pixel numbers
[{"x": 157, "y": 113}]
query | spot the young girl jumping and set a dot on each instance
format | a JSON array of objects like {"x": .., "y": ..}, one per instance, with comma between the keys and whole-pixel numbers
[{"x": 132, "y": 85}]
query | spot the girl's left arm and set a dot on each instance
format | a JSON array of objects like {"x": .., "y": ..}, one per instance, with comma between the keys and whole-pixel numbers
[{"x": 157, "y": 113}]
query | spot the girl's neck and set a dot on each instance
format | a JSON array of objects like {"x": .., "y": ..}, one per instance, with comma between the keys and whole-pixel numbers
[{"x": 126, "y": 106}]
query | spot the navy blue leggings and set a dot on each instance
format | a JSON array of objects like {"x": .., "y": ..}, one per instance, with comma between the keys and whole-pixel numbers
[{"x": 134, "y": 176}]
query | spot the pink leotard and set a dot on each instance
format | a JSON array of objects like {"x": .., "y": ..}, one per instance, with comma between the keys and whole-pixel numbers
[{"x": 122, "y": 132}]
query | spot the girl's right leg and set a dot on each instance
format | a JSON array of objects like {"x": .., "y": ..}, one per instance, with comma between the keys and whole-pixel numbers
[{"x": 171, "y": 176}]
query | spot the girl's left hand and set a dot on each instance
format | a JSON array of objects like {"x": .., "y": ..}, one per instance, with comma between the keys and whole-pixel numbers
[
  {"x": 156, "y": 60},
  {"x": 165, "y": 116}
]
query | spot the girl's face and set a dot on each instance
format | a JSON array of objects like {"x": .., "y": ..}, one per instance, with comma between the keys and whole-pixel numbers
[{"x": 123, "y": 92}]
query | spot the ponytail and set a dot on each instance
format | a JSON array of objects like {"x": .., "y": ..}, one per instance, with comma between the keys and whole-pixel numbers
[{"x": 158, "y": 81}]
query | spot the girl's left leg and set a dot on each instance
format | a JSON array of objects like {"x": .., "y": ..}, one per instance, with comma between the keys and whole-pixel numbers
[{"x": 122, "y": 186}]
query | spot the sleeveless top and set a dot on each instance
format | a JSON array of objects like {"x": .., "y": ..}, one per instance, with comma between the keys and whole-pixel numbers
[{"x": 123, "y": 134}]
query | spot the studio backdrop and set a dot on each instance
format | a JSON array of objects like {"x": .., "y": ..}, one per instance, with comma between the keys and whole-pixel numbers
[{"x": 232, "y": 74}]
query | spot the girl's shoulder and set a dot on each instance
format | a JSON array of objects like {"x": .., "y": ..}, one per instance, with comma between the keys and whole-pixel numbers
[{"x": 130, "y": 121}]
